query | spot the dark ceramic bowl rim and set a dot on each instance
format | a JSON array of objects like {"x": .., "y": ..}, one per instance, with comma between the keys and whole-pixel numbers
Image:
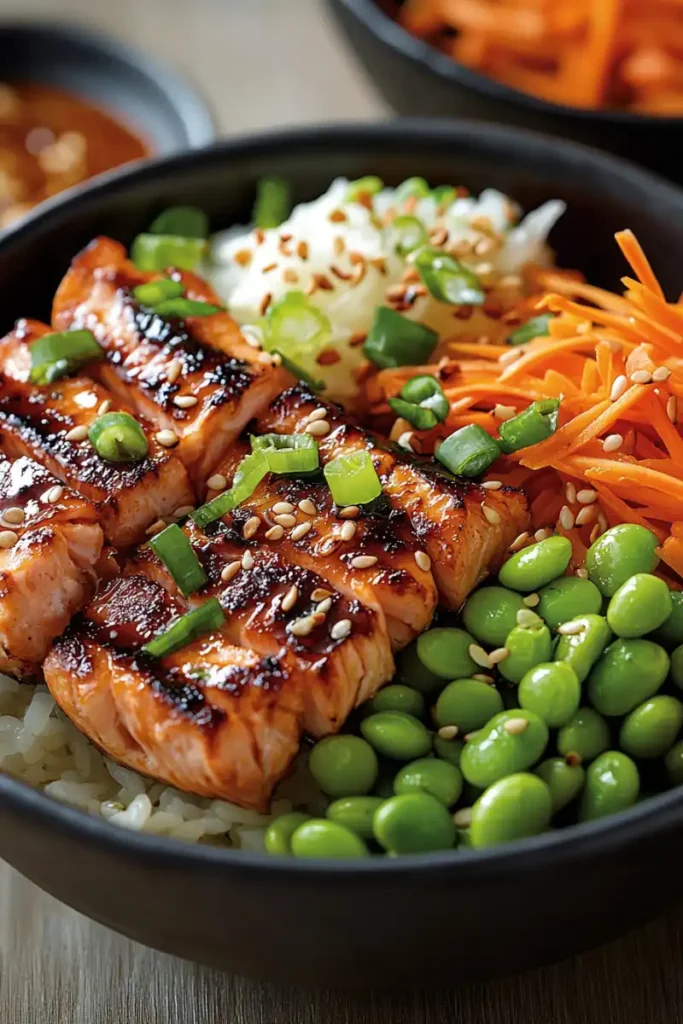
[
  {"x": 652, "y": 816},
  {"x": 418, "y": 51},
  {"x": 191, "y": 109}
]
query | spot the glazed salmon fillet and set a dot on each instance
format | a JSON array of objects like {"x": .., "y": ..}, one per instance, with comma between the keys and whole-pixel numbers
[
  {"x": 211, "y": 719},
  {"x": 195, "y": 377},
  {"x": 370, "y": 555},
  {"x": 447, "y": 515},
  {"x": 38, "y": 421},
  {"x": 51, "y": 544},
  {"x": 337, "y": 648}
]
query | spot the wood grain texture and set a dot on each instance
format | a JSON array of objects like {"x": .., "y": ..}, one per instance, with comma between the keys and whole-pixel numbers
[{"x": 268, "y": 63}]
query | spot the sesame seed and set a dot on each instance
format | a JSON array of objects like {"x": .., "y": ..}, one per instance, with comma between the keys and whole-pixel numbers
[
  {"x": 490, "y": 515},
  {"x": 329, "y": 545},
  {"x": 251, "y": 527},
  {"x": 173, "y": 371},
  {"x": 348, "y": 530},
  {"x": 498, "y": 655},
  {"x": 479, "y": 655},
  {"x": 582, "y": 573},
  {"x": 570, "y": 492},
  {"x": 349, "y": 512},
  {"x": 336, "y": 216},
  {"x": 570, "y": 628},
  {"x": 586, "y": 515},
  {"x": 217, "y": 482},
  {"x": 14, "y": 516},
  {"x": 423, "y": 561},
  {"x": 302, "y": 250},
  {"x": 285, "y": 520},
  {"x": 364, "y": 561},
  {"x": 77, "y": 434},
  {"x": 307, "y": 507},
  {"x": 185, "y": 401},
  {"x": 612, "y": 443},
  {"x": 341, "y": 629},
  {"x": 281, "y": 508},
  {"x": 516, "y": 726},
  {"x": 8, "y": 538},
  {"x": 267, "y": 269},
  {"x": 492, "y": 485},
  {"x": 318, "y": 428},
  {"x": 247, "y": 560},
  {"x": 672, "y": 408},
  {"x": 317, "y": 414},
  {"x": 324, "y": 606},
  {"x": 275, "y": 533},
  {"x": 461, "y": 404},
  {"x": 595, "y": 533},
  {"x": 470, "y": 735},
  {"x": 463, "y": 817},
  {"x": 619, "y": 386},
  {"x": 661, "y": 373},
  {"x": 242, "y": 257},
  {"x": 230, "y": 570},
  {"x": 155, "y": 528},
  {"x": 527, "y": 619},
  {"x": 290, "y": 598},
  {"x": 339, "y": 245},
  {"x": 183, "y": 511},
  {"x": 259, "y": 236},
  {"x": 586, "y": 496},
  {"x": 519, "y": 541},
  {"x": 265, "y": 302},
  {"x": 104, "y": 407},
  {"x": 566, "y": 518},
  {"x": 641, "y": 377},
  {"x": 542, "y": 534},
  {"x": 448, "y": 732},
  {"x": 531, "y": 600},
  {"x": 504, "y": 412},
  {"x": 300, "y": 531},
  {"x": 166, "y": 438},
  {"x": 405, "y": 439},
  {"x": 302, "y": 627}
]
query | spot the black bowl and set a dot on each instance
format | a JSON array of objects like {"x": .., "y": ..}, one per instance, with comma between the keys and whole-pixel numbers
[
  {"x": 417, "y": 79},
  {"x": 143, "y": 94},
  {"x": 413, "y": 919}
]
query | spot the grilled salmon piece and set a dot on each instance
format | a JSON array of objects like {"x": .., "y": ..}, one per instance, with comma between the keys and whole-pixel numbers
[
  {"x": 210, "y": 719},
  {"x": 47, "y": 573},
  {"x": 370, "y": 556},
  {"x": 447, "y": 514},
  {"x": 338, "y": 648},
  {"x": 36, "y": 421},
  {"x": 196, "y": 376}
]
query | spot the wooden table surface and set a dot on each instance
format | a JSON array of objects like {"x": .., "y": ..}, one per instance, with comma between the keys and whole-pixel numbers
[{"x": 263, "y": 63}]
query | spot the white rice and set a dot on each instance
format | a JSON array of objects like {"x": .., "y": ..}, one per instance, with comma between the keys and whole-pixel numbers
[
  {"x": 40, "y": 746},
  {"x": 350, "y": 306}
]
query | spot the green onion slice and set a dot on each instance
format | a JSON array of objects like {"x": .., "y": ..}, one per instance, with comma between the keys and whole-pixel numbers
[
  {"x": 405, "y": 234},
  {"x": 185, "y": 221},
  {"x": 273, "y": 202},
  {"x": 537, "y": 327},
  {"x": 154, "y": 292},
  {"x": 56, "y": 354},
  {"x": 468, "y": 451},
  {"x": 362, "y": 187},
  {"x": 186, "y": 307},
  {"x": 118, "y": 437},
  {"x": 533, "y": 424},
  {"x": 422, "y": 402},
  {"x": 175, "y": 551},
  {"x": 288, "y": 453},
  {"x": 394, "y": 340},
  {"x": 295, "y": 329},
  {"x": 443, "y": 195},
  {"x": 183, "y": 631},
  {"x": 248, "y": 476},
  {"x": 447, "y": 279},
  {"x": 157, "y": 252},
  {"x": 353, "y": 479},
  {"x": 299, "y": 372},
  {"x": 417, "y": 187}
]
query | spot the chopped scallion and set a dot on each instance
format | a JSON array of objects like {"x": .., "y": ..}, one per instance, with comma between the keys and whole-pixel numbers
[
  {"x": 533, "y": 424},
  {"x": 364, "y": 187},
  {"x": 248, "y": 476},
  {"x": 158, "y": 252},
  {"x": 56, "y": 354},
  {"x": 416, "y": 187},
  {"x": 299, "y": 372},
  {"x": 118, "y": 437},
  {"x": 405, "y": 234},
  {"x": 175, "y": 551},
  {"x": 422, "y": 402},
  {"x": 185, "y": 221},
  {"x": 154, "y": 292},
  {"x": 468, "y": 451},
  {"x": 183, "y": 307},
  {"x": 288, "y": 453},
  {"x": 537, "y": 327},
  {"x": 443, "y": 195},
  {"x": 353, "y": 479},
  {"x": 183, "y": 631},
  {"x": 273, "y": 202},
  {"x": 447, "y": 279},
  {"x": 394, "y": 340},
  {"x": 295, "y": 329}
]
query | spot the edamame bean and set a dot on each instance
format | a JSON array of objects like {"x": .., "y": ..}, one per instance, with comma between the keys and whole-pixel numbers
[
  {"x": 612, "y": 784},
  {"x": 552, "y": 691},
  {"x": 562, "y": 779},
  {"x": 467, "y": 703},
  {"x": 448, "y": 750},
  {"x": 640, "y": 605},
  {"x": 411, "y": 672},
  {"x": 397, "y": 735},
  {"x": 413, "y": 823},
  {"x": 343, "y": 765},
  {"x": 445, "y": 652},
  {"x": 528, "y": 646},
  {"x": 628, "y": 673},
  {"x": 490, "y": 613},
  {"x": 677, "y": 667},
  {"x": 566, "y": 598},
  {"x": 673, "y": 762},
  {"x": 618, "y": 554},
  {"x": 355, "y": 813},
  {"x": 322, "y": 838},
  {"x": 397, "y": 697},
  {"x": 651, "y": 728},
  {"x": 516, "y": 806},
  {"x": 582, "y": 647},
  {"x": 584, "y": 736},
  {"x": 509, "y": 743},
  {"x": 536, "y": 565},
  {"x": 278, "y": 837},
  {"x": 670, "y": 633},
  {"x": 430, "y": 775}
]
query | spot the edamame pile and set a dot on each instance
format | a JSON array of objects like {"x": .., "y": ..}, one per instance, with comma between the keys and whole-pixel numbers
[{"x": 553, "y": 699}]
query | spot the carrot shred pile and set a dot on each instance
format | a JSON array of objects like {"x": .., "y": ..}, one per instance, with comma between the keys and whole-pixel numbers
[
  {"x": 581, "y": 53},
  {"x": 617, "y": 367}
]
